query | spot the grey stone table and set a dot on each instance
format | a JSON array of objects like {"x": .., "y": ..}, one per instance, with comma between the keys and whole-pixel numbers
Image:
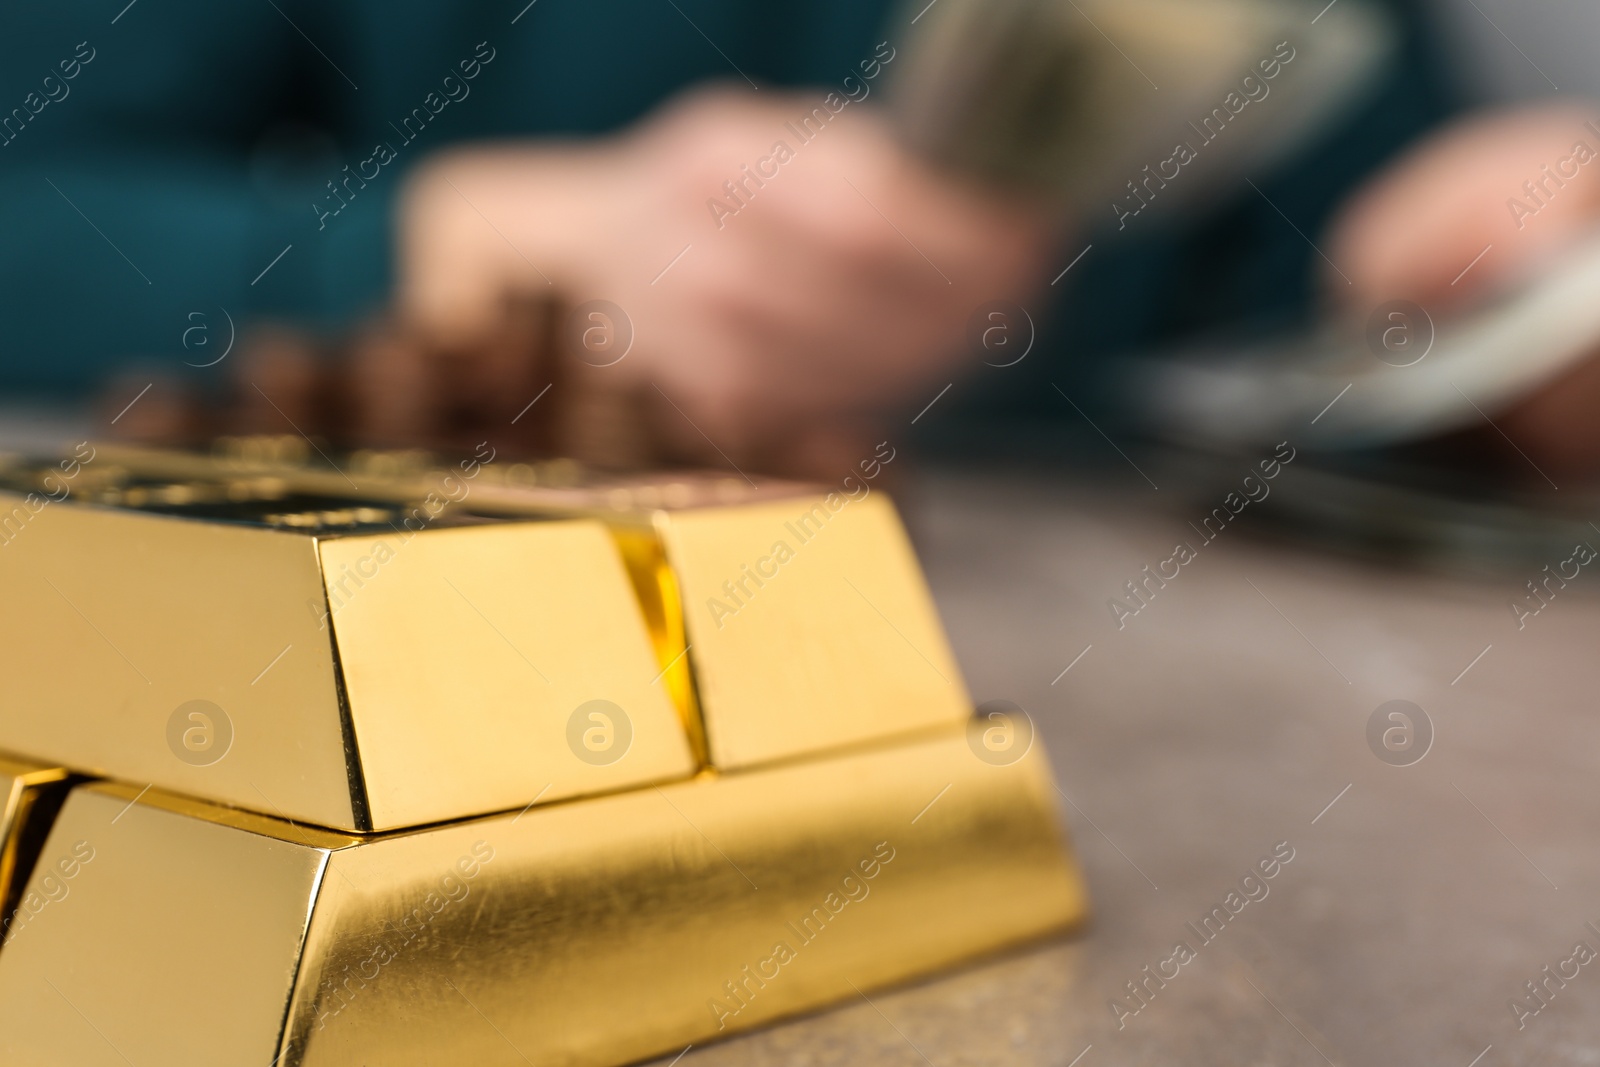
[{"x": 1229, "y": 715}]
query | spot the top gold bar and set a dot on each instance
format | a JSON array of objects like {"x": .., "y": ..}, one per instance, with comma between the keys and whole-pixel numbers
[{"x": 783, "y": 621}]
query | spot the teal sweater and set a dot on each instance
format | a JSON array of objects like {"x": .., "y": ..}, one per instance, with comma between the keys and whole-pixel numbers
[{"x": 173, "y": 158}]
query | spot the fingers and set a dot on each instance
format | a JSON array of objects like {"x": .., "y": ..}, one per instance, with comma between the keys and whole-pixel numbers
[
  {"x": 477, "y": 225},
  {"x": 776, "y": 276},
  {"x": 821, "y": 298},
  {"x": 1511, "y": 182},
  {"x": 451, "y": 274}
]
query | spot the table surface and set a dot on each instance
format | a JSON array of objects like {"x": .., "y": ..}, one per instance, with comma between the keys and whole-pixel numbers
[{"x": 1231, "y": 715}]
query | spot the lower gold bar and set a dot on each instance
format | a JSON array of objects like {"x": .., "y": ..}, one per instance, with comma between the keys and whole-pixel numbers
[{"x": 592, "y": 932}]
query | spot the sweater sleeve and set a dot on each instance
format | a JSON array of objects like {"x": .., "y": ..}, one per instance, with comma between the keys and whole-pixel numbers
[
  {"x": 157, "y": 171},
  {"x": 172, "y": 163}
]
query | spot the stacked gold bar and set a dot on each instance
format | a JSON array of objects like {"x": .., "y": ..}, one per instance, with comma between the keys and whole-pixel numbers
[{"x": 490, "y": 764}]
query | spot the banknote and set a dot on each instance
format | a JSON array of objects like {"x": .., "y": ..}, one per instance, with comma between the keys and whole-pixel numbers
[
  {"x": 1396, "y": 374},
  {"x": 1079, "y": 100}
]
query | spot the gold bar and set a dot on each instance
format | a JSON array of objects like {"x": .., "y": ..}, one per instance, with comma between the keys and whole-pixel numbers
[
  {"x": 810, "y": 627},
  {"x": 348, "y": 666},
  {"x": 595, "y": 932},
  {"x": 785, "y": 621}
]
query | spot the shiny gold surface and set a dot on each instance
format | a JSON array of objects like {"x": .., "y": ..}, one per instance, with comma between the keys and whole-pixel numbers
[
  {"x": 172, "y": 944},
  {"x": 465, "y": 659},
  {"x": 593, "y": 932},
  {"x": 789, "y": 620},
  {"x": 26, "y": 799},
  {"x": 153, "y": 612},
  {"x": 660, "y": 600},
  {"x": 811, "y": 627},
  {"x": 442, "y": 689}
]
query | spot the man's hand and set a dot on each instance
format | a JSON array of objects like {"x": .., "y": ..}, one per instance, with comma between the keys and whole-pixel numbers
[
  {"x": 1413, "y": 232},
  {"x": 788, "y": 273}
]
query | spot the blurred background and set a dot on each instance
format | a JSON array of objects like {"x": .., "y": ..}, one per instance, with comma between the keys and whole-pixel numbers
[
  {"x": 1130, "y": 233},
  {"x": 722, "y": 233}
]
